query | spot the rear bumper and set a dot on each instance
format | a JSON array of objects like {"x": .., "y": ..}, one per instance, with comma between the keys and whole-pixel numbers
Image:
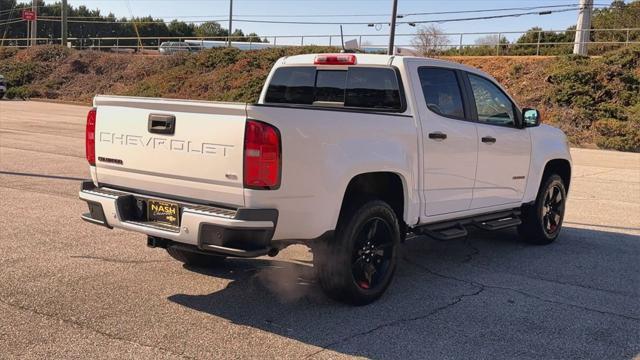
[{"x": 235, "y": 232}]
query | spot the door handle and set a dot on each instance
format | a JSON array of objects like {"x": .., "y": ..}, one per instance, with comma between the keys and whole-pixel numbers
[
  {"x": 489, "y": 140},
  {"x": 437, "y": 135},
  {"x": 162, "y": 124}
]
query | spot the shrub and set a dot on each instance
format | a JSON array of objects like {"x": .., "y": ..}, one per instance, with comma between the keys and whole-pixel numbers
[
  {"x": 18, "y": 73},
  {"x": 7, "y": 52},
  {"x": 44, "y": 53},
  {"x": 516, "y": 69},
  {"x": 618, "y": 135},
  {"x": 218, "y": 57},
  {"x": 20, "y": 92}
]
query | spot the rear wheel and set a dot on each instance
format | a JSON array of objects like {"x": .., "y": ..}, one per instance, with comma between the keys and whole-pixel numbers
[
  {"x": 193, "y": 258},
  {"x": 542, "y": 222},
  {"x": 357, "y": 265}
]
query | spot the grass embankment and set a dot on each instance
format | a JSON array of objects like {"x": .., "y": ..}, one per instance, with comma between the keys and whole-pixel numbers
[{"x": 596, "y": 101}]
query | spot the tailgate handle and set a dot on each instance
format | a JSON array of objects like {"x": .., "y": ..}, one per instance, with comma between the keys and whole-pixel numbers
[{"x": 162, "y": 124}]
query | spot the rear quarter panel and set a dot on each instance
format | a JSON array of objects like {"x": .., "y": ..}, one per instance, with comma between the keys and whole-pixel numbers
[{"x": 322, "y": 151}]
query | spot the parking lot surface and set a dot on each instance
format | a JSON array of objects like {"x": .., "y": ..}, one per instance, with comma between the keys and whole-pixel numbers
[{"x": 69, "y": 289}]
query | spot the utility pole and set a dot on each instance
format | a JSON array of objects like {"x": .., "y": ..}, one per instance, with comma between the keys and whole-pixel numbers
[
  {"x": 392, "y": 34},
  {"x": 64, "y": 29},
  {"x": 34, "y": 23},
  {"x": 230, "y": 21},
  {"x": 583, "y": 27}
]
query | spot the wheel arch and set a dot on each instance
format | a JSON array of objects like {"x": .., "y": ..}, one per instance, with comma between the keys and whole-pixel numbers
[
  {"x": 387, "y": 186},
  {"x": 562, "y": 167}
]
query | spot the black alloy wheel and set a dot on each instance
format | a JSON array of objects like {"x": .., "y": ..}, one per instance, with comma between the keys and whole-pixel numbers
[
  {"x": 542, "y": 221},
  {"x": 357, "y": 264},
  {"x": 372, "y": 253}
]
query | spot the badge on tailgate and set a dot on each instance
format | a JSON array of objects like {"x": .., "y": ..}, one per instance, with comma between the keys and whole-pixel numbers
[{"x": 164, "y": 212}]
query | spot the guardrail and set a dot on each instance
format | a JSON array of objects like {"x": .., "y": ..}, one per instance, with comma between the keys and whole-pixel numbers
[{"x": 493, "y": 43}]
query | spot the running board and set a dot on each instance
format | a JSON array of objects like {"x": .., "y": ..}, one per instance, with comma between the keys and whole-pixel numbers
[{"x": 454, "y": 229}]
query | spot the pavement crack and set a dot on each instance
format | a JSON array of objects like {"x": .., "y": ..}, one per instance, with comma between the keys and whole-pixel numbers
[
  {"x": 521, "y": 292},
  {"x": 85, "y": 327},
  {"x": 479, "y": 289},
  {"x": 558, "y": 282}
]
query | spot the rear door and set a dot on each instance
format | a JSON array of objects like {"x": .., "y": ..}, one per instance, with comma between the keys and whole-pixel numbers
[
  {"x": 182, "y": 149},
  {"x": 504, "y": 148},
  {"x": 450, "y": 140}
]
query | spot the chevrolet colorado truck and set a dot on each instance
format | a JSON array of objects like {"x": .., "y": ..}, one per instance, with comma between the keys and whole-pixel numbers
[{"x": 347, "y": 153}]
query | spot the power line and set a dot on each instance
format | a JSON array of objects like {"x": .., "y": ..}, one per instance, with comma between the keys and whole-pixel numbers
[
  {"x": 118, "y": 21},
  {"x": 407, "y": 22},
  {"x": 496, "y": 10}
]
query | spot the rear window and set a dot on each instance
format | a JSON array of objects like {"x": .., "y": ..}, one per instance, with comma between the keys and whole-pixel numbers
[{"x": 357, "y": 87}]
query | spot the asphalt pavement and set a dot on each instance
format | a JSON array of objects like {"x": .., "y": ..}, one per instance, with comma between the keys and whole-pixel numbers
[{"x": 69, "y": 289}]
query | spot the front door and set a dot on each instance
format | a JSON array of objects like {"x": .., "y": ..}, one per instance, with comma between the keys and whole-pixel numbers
[
  {"x": 450, "y": 141},
  {"x": 504, "y": 148}
]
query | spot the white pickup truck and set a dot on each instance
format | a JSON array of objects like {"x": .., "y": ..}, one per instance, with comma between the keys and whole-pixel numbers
[{"x": 346, "y": 153}]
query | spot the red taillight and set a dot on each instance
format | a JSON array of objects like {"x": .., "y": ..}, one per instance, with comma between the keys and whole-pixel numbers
[
  {"x": 90, "y": 137},
  {"x": 261, "y": 156},
  {"x": 335, "y": 59}
]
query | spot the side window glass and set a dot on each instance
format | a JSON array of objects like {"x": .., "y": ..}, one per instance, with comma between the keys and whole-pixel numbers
[
  {"x": 373, "y": 88},
  {"x": 442, "y": 91},
  {"x": 292, "y": 85},
  {"x": 493, "y": 106}
]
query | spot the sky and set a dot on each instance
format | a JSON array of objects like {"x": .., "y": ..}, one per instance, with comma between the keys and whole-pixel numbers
[{"x": 366, "y": 11}]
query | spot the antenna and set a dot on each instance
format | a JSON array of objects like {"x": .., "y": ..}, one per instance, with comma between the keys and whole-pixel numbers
[{"x": 342, "y": 39}]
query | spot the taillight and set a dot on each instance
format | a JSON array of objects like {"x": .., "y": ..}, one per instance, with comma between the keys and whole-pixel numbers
[
  {"x": 261, "y": 156},
  {"x": 335, "y": 59},
  {"x": 90, "y": 137}
]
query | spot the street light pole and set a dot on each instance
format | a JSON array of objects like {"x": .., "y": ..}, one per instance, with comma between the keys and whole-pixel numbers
[
  {"x": 392, "y": 34},
  {"x": 34, "y": 24},
  {"x": 583, "y": 27},
  {"x": 230, "y": 21},
  {"x": 64, "y": 30}
]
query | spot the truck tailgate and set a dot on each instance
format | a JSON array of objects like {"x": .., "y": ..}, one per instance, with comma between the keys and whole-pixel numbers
[{"x": 182, "y": 148}]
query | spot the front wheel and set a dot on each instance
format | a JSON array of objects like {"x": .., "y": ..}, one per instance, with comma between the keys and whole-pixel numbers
[
  {"x": 542, "y": 222},
  {"x": 357, "y": 265}
]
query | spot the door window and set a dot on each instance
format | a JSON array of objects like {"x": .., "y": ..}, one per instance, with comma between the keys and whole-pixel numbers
[
  {"x": 492, "y": 105},
  {"x": 441, "y": 91}
]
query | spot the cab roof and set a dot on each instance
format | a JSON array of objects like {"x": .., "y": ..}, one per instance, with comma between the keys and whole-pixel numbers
[{"x": 377, "y": 59}]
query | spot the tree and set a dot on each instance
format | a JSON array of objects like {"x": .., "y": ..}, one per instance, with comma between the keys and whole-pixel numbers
[
  {"x": 211, "y": 29},
  {"x": 430, "y": 40},
  {"x": 181, "y": 29},
  {"x": 491, "y": 40},
  {"x": 94, "y": 24}
]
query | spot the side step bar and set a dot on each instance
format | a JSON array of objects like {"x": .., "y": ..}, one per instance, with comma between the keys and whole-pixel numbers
[{"x": 454, "y": 229}]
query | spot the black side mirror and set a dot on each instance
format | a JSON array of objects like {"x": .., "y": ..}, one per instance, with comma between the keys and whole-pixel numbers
[{"x": 531, "y": 117}]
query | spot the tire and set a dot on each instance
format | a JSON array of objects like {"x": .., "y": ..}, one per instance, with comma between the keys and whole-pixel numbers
[
  {"x": 542, "y": 222},
  {"x": 193, "y": 258},
  {"x": 357, "y": 264}
]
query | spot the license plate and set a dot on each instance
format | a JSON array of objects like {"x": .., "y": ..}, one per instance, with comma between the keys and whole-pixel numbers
[{"x": 164, "y": 212}]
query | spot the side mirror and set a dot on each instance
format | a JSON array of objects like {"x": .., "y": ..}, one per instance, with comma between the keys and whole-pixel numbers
[{"x": 531, "y": 117}]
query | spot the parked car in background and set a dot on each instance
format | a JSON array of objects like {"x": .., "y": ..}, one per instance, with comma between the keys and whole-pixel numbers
[
  {"x": 3, "y": 87},
  {"x": 173, "y": 47},
  {"x": 344, "y": 153}
]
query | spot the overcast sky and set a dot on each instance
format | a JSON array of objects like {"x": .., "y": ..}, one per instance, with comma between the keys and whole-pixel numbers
[{"x": 369, "y": 11}]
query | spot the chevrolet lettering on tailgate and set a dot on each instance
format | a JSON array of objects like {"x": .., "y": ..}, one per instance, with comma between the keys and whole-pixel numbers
[{"x": 157, "y": 143}]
